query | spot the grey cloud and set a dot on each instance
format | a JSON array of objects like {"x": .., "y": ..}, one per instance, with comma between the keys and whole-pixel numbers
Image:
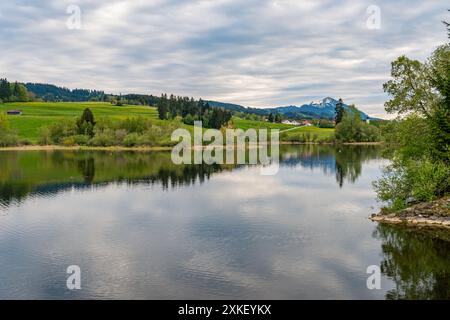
[{"x": 256, "y": 53}]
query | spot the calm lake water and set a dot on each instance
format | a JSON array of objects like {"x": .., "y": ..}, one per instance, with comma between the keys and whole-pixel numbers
[{"x": 140, "y": 227}]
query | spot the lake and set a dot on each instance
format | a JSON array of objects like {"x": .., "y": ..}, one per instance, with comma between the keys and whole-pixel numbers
[{"x": 140, "y": 227}]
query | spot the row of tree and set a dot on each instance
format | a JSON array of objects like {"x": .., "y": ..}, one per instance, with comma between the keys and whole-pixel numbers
[
  {"x": 52, "y": 93},
  {"x": 191, "y": 110},
  {"x": 274, "y": 118},
  {"x": 13, "y": 92}
]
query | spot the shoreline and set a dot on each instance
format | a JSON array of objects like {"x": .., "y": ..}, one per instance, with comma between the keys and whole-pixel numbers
[
  {"x": 81, "y": 148},
  {"x": 150, "y": 148},
  {"x": 433, "y": 214}
]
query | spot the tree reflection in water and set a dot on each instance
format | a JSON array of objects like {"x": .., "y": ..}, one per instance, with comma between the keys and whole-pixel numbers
[
  {"x": 43, "y": 172},
  {"x": 417, "y": 261}
]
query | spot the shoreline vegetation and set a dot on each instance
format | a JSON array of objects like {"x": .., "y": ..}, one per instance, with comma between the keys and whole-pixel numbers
[
  {"x": 99, "y": 124},
  {"x": 416, "y": 184},
  {"x": 156, "y": 148}
]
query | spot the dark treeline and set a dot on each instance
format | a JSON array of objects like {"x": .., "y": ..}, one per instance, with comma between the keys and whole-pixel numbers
[
  {"x": 49, "y": 92},
  {"x": 13, "y": 92},
  {"x": 191, "y": 110},
  {"x": 275, "y": 118},
  {"x": 52, "y": 93},
  {"x": 138, "y": 99}
]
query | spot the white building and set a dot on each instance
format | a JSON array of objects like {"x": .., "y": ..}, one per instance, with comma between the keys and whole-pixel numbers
[{"x": 291, "y": 122}]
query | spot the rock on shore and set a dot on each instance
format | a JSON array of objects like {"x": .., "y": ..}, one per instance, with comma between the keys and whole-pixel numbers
[{"x": 435, "y": 214}]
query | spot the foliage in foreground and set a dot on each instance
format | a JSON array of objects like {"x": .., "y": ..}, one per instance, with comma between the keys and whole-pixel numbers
[
  {"x": 413, "y": 181},
  {"x": 419, "y": 142}
]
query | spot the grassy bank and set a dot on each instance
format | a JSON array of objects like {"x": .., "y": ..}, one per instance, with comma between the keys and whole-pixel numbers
[
  {"x": 36, "y": 115},
  {"x": 40, "y": 114}
]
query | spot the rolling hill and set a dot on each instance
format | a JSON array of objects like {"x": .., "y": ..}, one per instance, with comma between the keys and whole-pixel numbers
[{"x": 324, "y": 109}]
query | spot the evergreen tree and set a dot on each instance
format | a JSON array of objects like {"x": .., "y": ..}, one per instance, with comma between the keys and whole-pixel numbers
[
  {"x": 5, "y": 90},
  {"x": 448, "y": 26},
  {"x": 162, "y": 107},
  {"x": 278, "y": 118},
  {"x": 86, "y": 123},
  {"x": 339, "y": 111}
]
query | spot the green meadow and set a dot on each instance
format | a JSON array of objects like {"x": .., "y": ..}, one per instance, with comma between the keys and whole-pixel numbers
[
  {"x": 253, "y": 124},
  {"x": 40, "y": 114},
  {"x": 297, "y": 134},
  {"x": 287, "y": 132}
]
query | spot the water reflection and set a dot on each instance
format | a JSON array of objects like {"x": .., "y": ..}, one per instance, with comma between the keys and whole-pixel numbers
[
  {"x": 43, "y": 172},
  {"x": 141, "y": 227},
  {"x": 418, "y": 262},
  {"x": 38, "y": 173},
  {"x": 344, "y": 161}
]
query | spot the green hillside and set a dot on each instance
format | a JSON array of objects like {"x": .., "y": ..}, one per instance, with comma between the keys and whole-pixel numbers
[{"x": 39, "y": 114}]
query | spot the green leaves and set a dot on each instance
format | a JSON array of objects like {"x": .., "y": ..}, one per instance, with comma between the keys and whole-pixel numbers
[
  {"x": 410, "y": 88},
  {"x": 353, "y": 129},
  {"x": 421, "y": 141}
]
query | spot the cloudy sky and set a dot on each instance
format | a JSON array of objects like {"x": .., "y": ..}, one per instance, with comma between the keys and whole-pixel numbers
[{"x": 256, "y": 52}]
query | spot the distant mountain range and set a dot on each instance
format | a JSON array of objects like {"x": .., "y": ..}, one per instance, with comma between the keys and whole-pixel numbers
[{"x": 324, "y": 109}]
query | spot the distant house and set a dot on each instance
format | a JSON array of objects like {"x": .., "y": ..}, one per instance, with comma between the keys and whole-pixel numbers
[
  {"x": 291, "y": 122},
  {"x": 14, "y": 112},
  {"x": 306, "y": 123}
]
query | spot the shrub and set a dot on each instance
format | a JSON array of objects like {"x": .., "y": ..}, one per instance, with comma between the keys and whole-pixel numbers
[
  {"x": 44, "y": 136},
  {"x": 416, "y": 181},
  {"x": 135, "y": 125},
  {"x": 106, "y": 132},
  {"x": 104, "y": 138},
  {"x": 120, "y": 135},
  {"x": 189, "y": 119},
  {"x": 68, "y": 141},
  {"x": 58, "y": 131},
  {"x": 131, "y": 140},
  {"x": 307, "y": 136},
  {"x": 430, "y": 180},
  {"x": 81, "y": 139},
  {"x": 25, "y": 142},
  {"x": 8, "y": 137}
]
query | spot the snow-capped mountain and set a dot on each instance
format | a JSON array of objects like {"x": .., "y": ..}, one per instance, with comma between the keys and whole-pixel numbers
[{"x": 324, "y": 109}]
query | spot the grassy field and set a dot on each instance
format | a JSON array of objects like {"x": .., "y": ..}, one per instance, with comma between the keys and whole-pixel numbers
[
  {"x": 39, "y": 114},
  {"x": 247, "y": 124},
  {"x": 320, "y": 133},
  {"x": 291, "y": 133}
]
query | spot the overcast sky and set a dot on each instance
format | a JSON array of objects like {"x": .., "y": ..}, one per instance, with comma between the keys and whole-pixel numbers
[{"x": 254, "y": 53}]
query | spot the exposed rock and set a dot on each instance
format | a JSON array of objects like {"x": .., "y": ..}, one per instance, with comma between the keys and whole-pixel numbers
[{"x": 435, "y": 214}]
